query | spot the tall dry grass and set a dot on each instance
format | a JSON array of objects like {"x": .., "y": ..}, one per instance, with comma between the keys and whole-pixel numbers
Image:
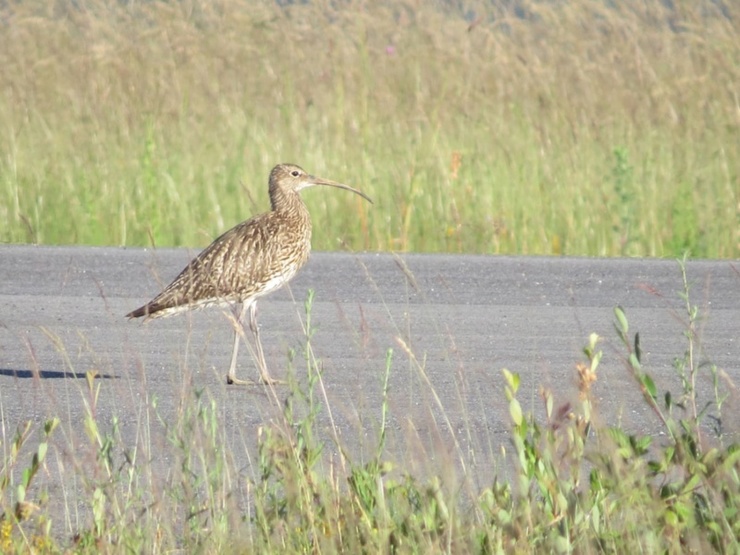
[{"x": 542, "y": 128}]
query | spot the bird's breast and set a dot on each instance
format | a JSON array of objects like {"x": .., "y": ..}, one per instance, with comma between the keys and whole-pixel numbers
[{"x": 277, "y": 279}]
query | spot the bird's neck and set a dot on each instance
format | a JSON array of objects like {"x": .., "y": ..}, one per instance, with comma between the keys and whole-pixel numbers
[{"x": 289, "y": 204}]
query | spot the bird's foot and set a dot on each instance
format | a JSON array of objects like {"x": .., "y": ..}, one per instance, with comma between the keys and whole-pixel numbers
[
  {"x": 233, "y": 380},
  {"x": 264, "y": 380},
  {"x": 267, "y": 380}
]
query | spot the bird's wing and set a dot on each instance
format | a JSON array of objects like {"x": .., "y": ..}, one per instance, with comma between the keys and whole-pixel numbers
[{"x": 228, "y": 270}]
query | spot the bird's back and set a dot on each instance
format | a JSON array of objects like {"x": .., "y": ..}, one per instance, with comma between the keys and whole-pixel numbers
[{"x": 250, "y": 260}]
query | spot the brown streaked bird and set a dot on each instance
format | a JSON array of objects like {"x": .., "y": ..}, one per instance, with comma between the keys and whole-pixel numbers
[{"x": 247, "y": 262}]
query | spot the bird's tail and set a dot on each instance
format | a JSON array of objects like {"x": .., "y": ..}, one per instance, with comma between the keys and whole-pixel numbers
[{"x": 139, "y": 312}]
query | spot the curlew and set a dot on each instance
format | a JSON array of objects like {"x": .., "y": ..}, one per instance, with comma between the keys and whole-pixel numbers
[{"x": 247, "y": 262}]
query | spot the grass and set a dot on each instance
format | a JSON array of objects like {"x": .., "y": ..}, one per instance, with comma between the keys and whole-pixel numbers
[
  {"x": 579, "y": 128},
  {"x": 574, "y": 484}
]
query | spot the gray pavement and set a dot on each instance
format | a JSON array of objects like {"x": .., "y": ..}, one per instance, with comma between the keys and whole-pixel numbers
[{"x": 464, "y": 318}]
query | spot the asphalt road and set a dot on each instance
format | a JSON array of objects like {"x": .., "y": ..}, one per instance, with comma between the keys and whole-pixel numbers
[{"x": 464, "y": 318}]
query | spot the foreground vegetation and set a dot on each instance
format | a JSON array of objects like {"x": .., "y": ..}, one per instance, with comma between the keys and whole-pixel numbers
[
  {"x": 581, "y": 127},
  {"x": 576, "y": 484}
]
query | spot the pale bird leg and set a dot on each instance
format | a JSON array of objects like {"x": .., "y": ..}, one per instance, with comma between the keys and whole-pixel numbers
[
  {"x": 239, "y": 316},
  {"x": 238, "y": 330},
  {"x": 265, "y": 377}
]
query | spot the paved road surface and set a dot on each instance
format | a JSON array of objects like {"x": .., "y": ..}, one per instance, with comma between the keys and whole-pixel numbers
[{"x": 464, "y": 317}]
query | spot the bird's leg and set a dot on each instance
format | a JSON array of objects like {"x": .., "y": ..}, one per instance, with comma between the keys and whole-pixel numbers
[
  {"x": 238, "y": 330},
  {"x": 265, "y": 377}
]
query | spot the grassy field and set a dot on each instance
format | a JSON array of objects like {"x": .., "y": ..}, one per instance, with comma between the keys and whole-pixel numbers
[{"x": 553, "y": 128}]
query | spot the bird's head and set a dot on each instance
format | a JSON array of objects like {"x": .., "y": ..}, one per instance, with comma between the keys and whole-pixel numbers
[{"x": 291, "y": 178}]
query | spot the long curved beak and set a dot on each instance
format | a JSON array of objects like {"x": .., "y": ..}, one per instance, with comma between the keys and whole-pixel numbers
[{"x": 312, "y": 180}]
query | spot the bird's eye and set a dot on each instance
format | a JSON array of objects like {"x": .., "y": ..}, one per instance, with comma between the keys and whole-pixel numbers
[{"x": 295, "y": 173}]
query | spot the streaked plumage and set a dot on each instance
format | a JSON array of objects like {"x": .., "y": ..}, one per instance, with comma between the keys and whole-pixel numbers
[{"x": 250, "y": 260}]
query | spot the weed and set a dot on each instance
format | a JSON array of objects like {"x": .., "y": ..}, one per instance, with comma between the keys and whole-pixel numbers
[
  {"x": 577, "y": 485},
  {"x": 23, "y": 524}
]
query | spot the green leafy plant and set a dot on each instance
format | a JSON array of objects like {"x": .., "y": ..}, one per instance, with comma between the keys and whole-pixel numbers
[
  {"x": 576, "y": 484},
  {"x": 23, "y": 525}
]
